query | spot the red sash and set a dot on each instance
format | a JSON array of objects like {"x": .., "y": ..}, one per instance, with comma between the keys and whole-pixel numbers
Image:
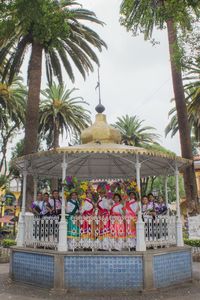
[
  {"x": 128, "y": 208},
  {"x": 112, "y": 210},
  {"x": 102, "y": 211},
  {"x": 88, "y": 212}
]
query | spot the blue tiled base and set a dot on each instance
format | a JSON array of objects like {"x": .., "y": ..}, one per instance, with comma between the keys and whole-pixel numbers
[
  {"x": 172, "y": 268},
  {"x": 103, "y": 272},
  {"x": 33, "y": 268}
]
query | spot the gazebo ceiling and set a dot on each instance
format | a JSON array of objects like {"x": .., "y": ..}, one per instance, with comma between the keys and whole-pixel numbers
[{"x": 100, "y": 161}]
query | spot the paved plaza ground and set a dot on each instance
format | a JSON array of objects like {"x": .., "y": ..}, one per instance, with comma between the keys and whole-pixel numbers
[{"x": 16, "y": 291}]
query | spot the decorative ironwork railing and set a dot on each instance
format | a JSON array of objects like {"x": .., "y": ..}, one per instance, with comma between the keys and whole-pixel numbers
[
  {"x": 42, "y": 232},
  {"x": 100, "y": 232},
  {"x": 160, "y": 231}
]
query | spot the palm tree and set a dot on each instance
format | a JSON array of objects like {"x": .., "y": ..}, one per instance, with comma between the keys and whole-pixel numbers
[
  {"x": 144, "y": 16},
  {"x": 133, "y": 133},
  {"x": 60, "y": 112},
  {"x": 13, "y": 100},
  {"x": 54, "y": 30},
  {"x": 12, "y": 114},
  {"x": 193, "y": 118},
  {"x": 192, "y": 99}
]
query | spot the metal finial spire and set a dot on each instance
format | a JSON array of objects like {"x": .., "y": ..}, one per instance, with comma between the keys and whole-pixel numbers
[{"x": 99, "y": 108}]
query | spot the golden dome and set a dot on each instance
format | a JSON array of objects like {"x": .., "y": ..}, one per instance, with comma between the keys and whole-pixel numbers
[{"x": 100, "y": 132}]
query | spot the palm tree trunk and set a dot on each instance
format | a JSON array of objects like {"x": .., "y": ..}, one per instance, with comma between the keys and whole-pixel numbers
[
  {"x": 32, "y": 110},
  {"x": 184, "y": 128},
  {"x": 56, "y": 136}
]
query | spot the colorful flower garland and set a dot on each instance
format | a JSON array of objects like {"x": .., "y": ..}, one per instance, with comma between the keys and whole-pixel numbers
[{"x": 71, "y": 184}]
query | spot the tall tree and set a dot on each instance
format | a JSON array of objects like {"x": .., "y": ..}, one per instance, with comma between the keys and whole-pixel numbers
[
  {"x": 60, "y": 113},
  {"x": 134, "y": 133},
  {"x": 53, "y": 30},
  {"x": 144, "y": 16}
]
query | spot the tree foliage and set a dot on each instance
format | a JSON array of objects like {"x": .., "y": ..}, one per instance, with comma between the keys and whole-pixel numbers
[
  {"x": 134, "y": 133},
  {"x": 146, "y": 15},
  {"x": 61, "y": 112},
  {"x": 12, "y": 115},
  {"x": 55, "y": 25},
  {"x": 158, "y": 186},
  {"x": 192, "y": 98}
]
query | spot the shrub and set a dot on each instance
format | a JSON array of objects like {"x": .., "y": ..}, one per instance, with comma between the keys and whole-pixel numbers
[
  {"x": 7, "y": 243},
  {"x": 193, "y": 243}
]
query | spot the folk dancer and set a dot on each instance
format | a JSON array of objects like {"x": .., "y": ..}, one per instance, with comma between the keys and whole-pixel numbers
[
  {"x": 117, "y": 227},
  {"x": 131, "y": 209},
  {"x": 103, "y": 230},
  {"x": 87, "y": 211},
  {"x": 72, "y": 210}
]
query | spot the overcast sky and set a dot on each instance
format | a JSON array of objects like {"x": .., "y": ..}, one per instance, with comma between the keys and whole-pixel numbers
[{"x": 135, "y": 76}]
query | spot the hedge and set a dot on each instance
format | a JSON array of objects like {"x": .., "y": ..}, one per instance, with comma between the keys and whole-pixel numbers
[
  {"x": 7, "y": 243},
  {"x": 193, "y": 243}
]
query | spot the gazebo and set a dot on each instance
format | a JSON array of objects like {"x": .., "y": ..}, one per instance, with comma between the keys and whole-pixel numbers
[{"x": 101, "y": 157}]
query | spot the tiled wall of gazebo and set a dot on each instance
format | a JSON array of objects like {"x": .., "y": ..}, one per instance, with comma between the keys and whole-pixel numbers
[{"x": 108, "y": 271}]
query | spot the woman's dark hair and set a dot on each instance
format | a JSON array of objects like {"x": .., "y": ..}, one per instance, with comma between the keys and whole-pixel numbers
[
  {"x": 118, "y": 195},
  {"x": 73, "y": 193},
  {"x": 46, "y": 194},
  {"x": 132, "y": 192},
  {"x": 150, "y": 194}
]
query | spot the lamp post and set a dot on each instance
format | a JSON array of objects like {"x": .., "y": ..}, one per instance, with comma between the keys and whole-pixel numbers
[
  {"x": 2, "y": 204},
  {"x": 14, "y": 227}
]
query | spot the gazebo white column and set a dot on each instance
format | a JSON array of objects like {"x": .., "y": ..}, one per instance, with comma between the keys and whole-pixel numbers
[
  {"x": 21, "y": 224},
  {"x": 179, "y": 229},
  {"x": 140, "y": 226},
  {"x": 35, "y": 183},
  {"x": 62, "y": 244},
  {"x": 166, "y": 193}
]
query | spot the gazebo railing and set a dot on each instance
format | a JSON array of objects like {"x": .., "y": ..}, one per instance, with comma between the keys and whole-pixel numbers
[
  {"x": 100, "y": 232},
  {"x": 42, "y": 232},
  {"x": 160, "y": 231}
]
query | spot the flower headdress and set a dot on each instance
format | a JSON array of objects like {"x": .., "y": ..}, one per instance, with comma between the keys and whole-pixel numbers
[
  {"x": 131, "y": 187},
  {"x": 70, "y": 185}
]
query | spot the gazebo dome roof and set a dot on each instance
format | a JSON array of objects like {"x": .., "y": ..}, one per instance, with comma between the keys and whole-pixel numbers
[{"x": 100, "y": 132}]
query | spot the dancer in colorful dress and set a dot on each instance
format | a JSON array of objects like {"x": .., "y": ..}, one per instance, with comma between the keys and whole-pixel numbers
[
  {"x": 87, "y": 211},
  {"x": 72, "y": 209},
  {"x": 117, "y": 227},
  {"x": 131, "y": 209},
  {"x": 103, "y": 206}
]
